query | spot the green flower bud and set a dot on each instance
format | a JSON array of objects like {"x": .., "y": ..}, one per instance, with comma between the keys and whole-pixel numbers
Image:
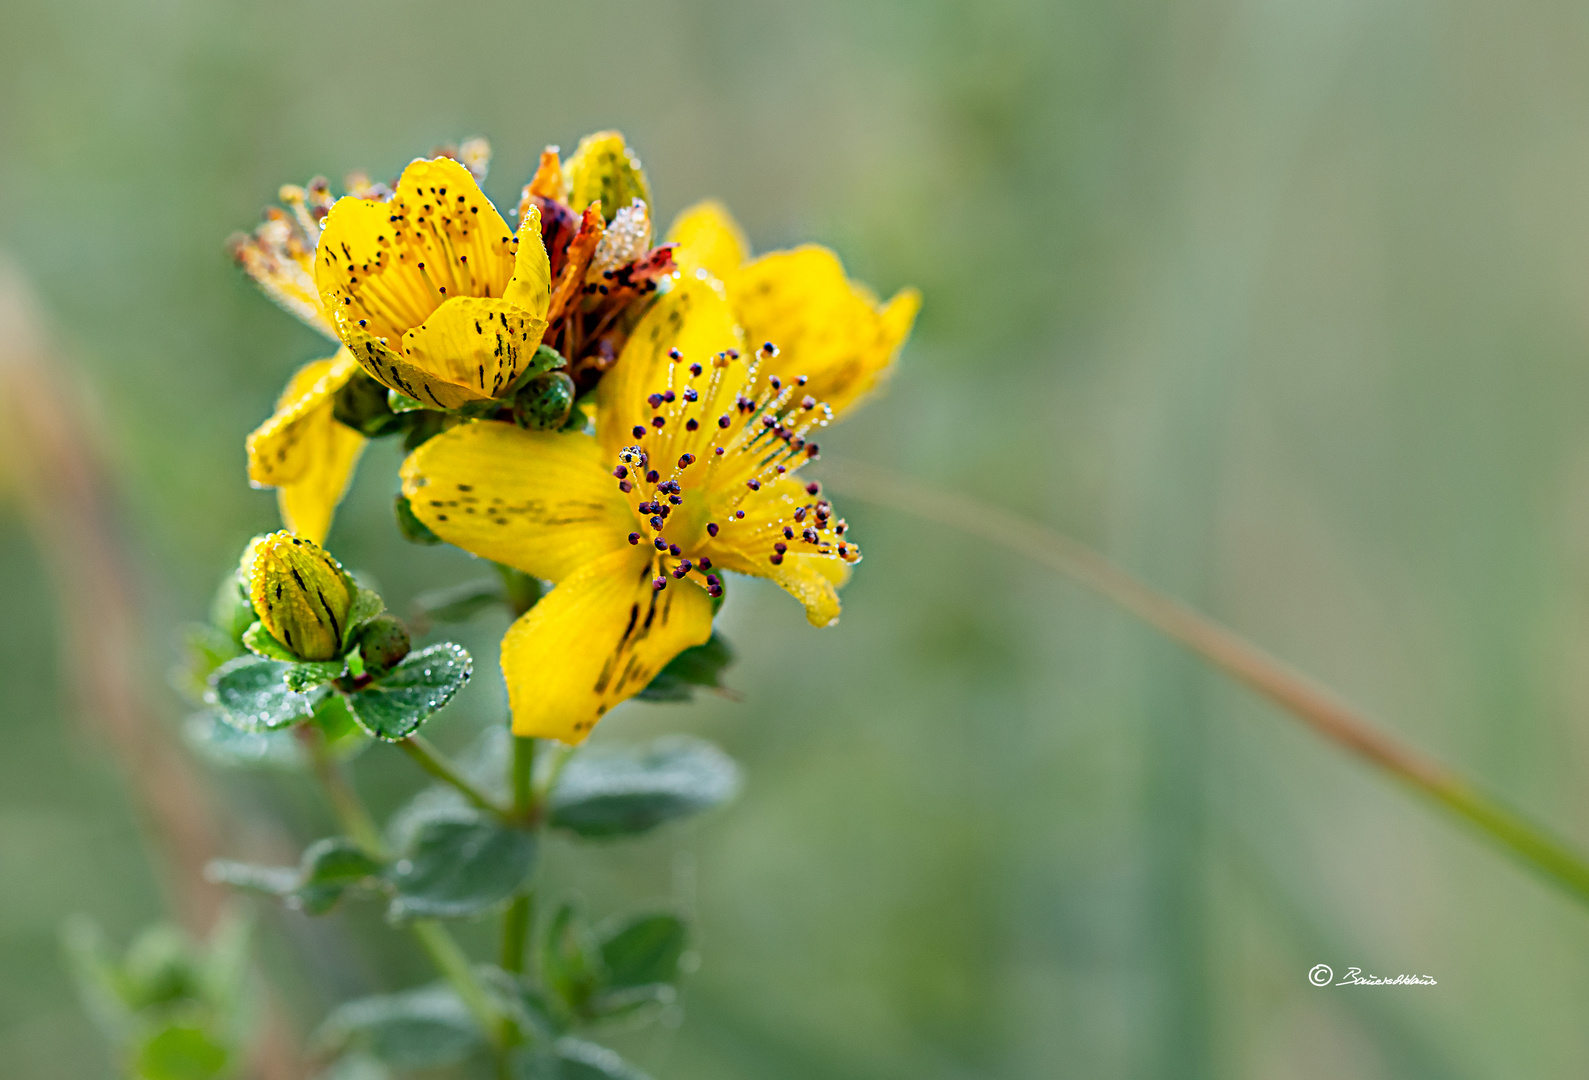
[
  {"x": 383, "y": 641},
  {"x": 361, "y": 404},
  {"x": 544, "y": 402},
  {"x": 300, "y": 593}
]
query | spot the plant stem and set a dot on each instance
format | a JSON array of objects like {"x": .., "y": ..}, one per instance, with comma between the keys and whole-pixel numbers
[
  {"x": 445, "y": 952},
  {"x": 453, "y": 963},
  {"x": 345, "y": 801},
  {"x": 516, "y": 920},
  {"x": 1270, "y": 677},
  {"x": 434, "y": 762}
]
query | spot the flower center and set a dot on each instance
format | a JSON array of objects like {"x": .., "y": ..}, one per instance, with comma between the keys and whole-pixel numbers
[{"x": 701, "y": 478}]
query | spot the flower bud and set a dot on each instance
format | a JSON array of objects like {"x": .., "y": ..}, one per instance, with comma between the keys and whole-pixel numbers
[
  {"x": 361, "y": 404},
  {"x": 383, "y": 641},
  {"x": 603, "y": 167},
  {"x": 300, "y": 593},
  {"x": 545, "y": 402}
]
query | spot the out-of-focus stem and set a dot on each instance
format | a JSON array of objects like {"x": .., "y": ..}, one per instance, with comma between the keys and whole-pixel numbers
[
  {"x": 1272, "y": 678},
  {"x": 345, "y": 802},
  {"x": 435, "y": 762},
  {"x": 453, "y": 963}
]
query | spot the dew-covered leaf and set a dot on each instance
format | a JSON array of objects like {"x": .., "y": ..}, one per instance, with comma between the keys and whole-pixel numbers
[
  {"x": 397, "y": 703},
  {"x": 252, "y": 695},
  {"x": 222, "y": 744}
]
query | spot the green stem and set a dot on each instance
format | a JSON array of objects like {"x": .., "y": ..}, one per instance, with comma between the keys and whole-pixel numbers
[
  {"x": 454, "y": 965},
  {"x": 516, "y": 921},
  {"x": 1270, "y": 677},
  {"x": 434, "y": 762},
  {"x": 523, "y": 775},
  {"x": 345, "y": 801}
]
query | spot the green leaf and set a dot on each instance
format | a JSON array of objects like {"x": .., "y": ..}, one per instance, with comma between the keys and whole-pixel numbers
[
  {"x": 302, "y": 677},
  {"x": 570, "y": 960},
  {"x": 644, "y": 950},
  {"x": 460, "y": 603},
  {"x": 697, "y": 666},
  {"x": 180, "y": 1053},
  {"x": 572, "y": 1059},
  {"x": 328, "y": 869},
  {"x": 516, "y": 997},
  {"x": 394, "y": 705},
  {"x": 416, "y": 1029},
  {"x": 455, "y": 866},
  {"x": 222, "y": 744},
  {"x": 260, "y": 642},
  {"x": 408, "y": 523},
  {"x": 356, "y": 1066},
  {"x": 633, "y": 790},
  {"x": 252, "y": 695}
]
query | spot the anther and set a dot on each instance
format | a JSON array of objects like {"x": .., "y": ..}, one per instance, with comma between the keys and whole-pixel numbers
[
  {"x": 739, "y": 515},
  {"x": 639, "y": 432},
  {"x": 769, "y": 349},
  {"x": 655, "y": 400},
  {"x": 634, "y": 538},
  {"x": 754, "y": 485},
  {"x": 691, "y": 424},
  {"x": 653, "y": 476},
  {"x": 668, "y": 397},
  {"x": 660, "y": 544},
  {"x": 695, "y": 369},
  {"x": 689, "y": 394},
  {"x": 621, "y": 471},
  {"x": 811, "y": 450},
  {"x": 673, "y": 549},
  {"x": 656, "y": 523},
  {"x": 788, "y": 533},
  {"x": 676, "y": 500},
  {"x": 657, "y": 422},
  {"x": 686, "y": 461},
  {"x": 706, "y": 564},
  {"x": 680, "y": 570},
  {"x": 813, "y": 487},
  {"x": 774, "y": 382},
  {"x": 711, "y": 528},
  {"x": 808, "y": 402},
  {"x": 780, "y": 547},
  {"x": 674, "y": 354},
  {"x": 659, "y": 584},
  {"x": 723, "y": 421},
  {"x": 776, "y": 558}
]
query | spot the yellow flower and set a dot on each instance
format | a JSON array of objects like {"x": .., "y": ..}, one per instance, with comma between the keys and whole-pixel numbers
[
  {"x": 303, "y": 451},
  {"x": 828, "y": 328},
  {"x": 300, "y": 593},
  {"x": 431, "y": 290},
  {"x": 691, "y": 471}
]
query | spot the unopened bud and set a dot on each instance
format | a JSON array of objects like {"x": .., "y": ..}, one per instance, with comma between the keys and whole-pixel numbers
[
  {"x": 604, "y": 168},
  {"x": 383, "y": 641},
  {"x": 545, "y": 402},
  {"x": 300, "y": 593}
]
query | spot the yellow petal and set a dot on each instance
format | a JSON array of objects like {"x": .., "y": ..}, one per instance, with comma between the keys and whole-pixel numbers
[
  {"x": 603, "y": 167},
  {"x": 692, "y": 317},
  {"x": 530, "y": 288},
  {"x": 825, "y": 328},
  {"x": 468, "y": 350},
  {"x": 709, "y": 239},
  {"x": 812, "y": 579},
  {"x": 300, "y": 593},
  {"x": 537, "y": 500},
  {"x": 383, "y": 267},
  {"x": 598, "y": 638},
  {"x": 304, "y": 452}
]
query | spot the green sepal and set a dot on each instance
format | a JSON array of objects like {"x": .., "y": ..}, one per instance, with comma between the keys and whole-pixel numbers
[
  {"x": 402, "y": 403},
  {"x": 252, "y": 694},
  {"x": 544, "y": 359},
  {"x": 328, "y": 869},
  {"x": 393, "y": 706},
  {"x": 697, "y": 666},
  {"x": 627, "y": 791},
  {"x": 408, "y": 523},
  {"x": 424, "y": 1028},
  {"x": 457, "y": 864},
  {"x": 261, "y": 642},
  {"x": 230, "y": 610},
  {"x": 364, "y": 405},
  {"x": 366, "y": 605}
]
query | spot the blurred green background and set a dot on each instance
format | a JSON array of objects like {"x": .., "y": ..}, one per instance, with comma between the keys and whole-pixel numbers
[{"x": 1282, "y": 303}]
